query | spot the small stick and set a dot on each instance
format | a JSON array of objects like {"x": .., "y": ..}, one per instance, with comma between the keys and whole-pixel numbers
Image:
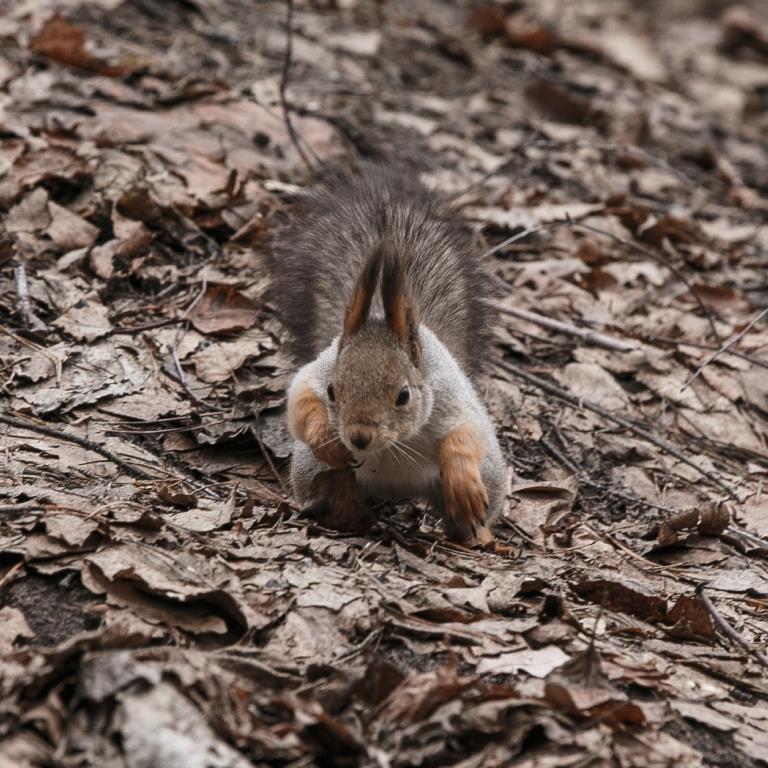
[
  {"x": 22, "y": 292},
  {"x": 89, "y": 445},
  {"x": 31, "y": 506},
  {"x": 182, "y": 379},
  {"x": 584, "y": 479},
  {"x": 727, "y": 629},
  {"x": 579, "y": 402},
  {"x": 55, "y": 362},
  {"x": 284, "y": 78},
  {"x": 591, "y": 337},
  {"x": 131, "y": 329},
  {"x": 725, "y": 347},
  {"x": 271, "y": 464},
  {"x": 660, "y": 260},
  {"x": 520, "y": 235},
  {"x": 649, "y": 338}
]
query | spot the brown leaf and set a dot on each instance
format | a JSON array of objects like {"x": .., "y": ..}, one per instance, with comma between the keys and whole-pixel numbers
[
  {"x": 65, "y": 43},
  {"x": 742, "y": 32},
  {"x": 223, "y": 309},
  {"x": 487, "y": 18},
  {"x": 176, "y": 497},
  {"x": 580, "y": 687},
  {"x": 420, "y": 694},
  {"x": 537, "y": 662},
  {"x": 690, "y": 619},
  {"x": 559, "y": 103},
  {"x": 722, "y": 298},
  {"x": 13, "y": 625},
  {"x": 624, "y": 596},
  {"x": 86, "y": 321},
  {"x": 524, "y": 31},
  {"x": 68, "y": 230}
]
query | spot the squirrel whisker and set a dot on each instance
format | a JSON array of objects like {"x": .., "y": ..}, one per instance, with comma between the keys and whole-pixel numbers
[{"x": 415, "y": 453}]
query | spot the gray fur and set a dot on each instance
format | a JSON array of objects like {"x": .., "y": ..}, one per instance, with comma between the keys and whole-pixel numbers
[
  {"x": 428, "y": 258},
  {"x": 317, "y": 259},
  {"x": 389, "y": 474}
]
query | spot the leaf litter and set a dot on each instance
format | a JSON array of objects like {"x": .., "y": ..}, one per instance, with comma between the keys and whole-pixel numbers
[{"x": 174, "y": 608}]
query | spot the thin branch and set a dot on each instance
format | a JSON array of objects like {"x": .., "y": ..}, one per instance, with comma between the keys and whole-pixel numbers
[
  {"x": 658, "y": 258},
  {"x": 268, "y": 459},
  {"x": 725, "y": 347},
  {"x": 284, "y": 79},
  {"x": 32, "y": 506},
  {"x": 131, "y": 329},
  {"x": 591, "y": 337},
  {"x": 520, "y": 235},
  {"x": 89, "y": 445},
  {"x": 24, "y": 305},
  {"x": 650, "y": 338},
  {"x": 578, "y": 402},
  {"x": 54, "y": 360},
  {"x": 727, "y": 629},
  {"x": 584, "y": 479}
]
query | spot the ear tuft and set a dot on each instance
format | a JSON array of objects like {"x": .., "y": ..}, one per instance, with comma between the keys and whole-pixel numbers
[
  {"x": 399, "y": 310},
  {"x": 360, "y": 302}
]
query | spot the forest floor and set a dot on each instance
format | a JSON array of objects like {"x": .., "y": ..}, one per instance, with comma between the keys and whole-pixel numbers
[{"x": 164, "y": 604}]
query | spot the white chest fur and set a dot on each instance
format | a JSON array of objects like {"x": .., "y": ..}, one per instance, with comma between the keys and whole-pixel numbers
[{"x": 408, "y": 470}]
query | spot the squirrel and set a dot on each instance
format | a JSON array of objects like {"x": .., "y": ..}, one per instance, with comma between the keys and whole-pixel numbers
[{"x": 377, "y": 282}]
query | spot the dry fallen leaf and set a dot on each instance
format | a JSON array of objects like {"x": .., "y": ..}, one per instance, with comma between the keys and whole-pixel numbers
[
  {"x": 222, "y": 310},
  {"x": 65, "y": 43}
]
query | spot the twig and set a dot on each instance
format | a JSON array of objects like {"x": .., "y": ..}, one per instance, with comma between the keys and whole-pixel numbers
[
  {"x": 89, "y": 445},
  {"x": 578, "y": 402},
  {"x": 584, "y": 479},
  {"x": 284, "y": 78},
  {"x": 520, "y": 235},
  {"x": 756, "y": 540},
  {"x": 658, "y": 258},
  {"x": 182, "y": 379},
  {"x": 591, "y": 337},
  {"x": 725, "y": 347},
  {"x": 54, "y": 360},
  {"x": 727, "y": 629},
  {"x": 30, "y": 506},
  {"x": 650, "y": 338},
  {"x": 22, "y": 293},
  {"x": 271, "y": 464},
  {"x": 130, "y": 329}
]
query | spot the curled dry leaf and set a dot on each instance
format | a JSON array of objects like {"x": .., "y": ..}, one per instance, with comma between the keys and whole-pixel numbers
[
  {"x": 689, "y": 619},
  {"x": 223, "y": 309},
  {"x": 87, "y": 321},
  {"x": 65, "y": 43},
  {"x": 580, "y": 688},
  {"x": 625, "y": 596}
]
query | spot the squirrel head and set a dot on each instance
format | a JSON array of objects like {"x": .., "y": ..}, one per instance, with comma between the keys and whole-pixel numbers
[{"x": 378, "y": 392}]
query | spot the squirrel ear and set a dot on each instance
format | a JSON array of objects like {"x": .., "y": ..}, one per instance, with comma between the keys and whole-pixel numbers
[
  {"x": 399, "y": 311},
  {"x": 360, "y": 303}
]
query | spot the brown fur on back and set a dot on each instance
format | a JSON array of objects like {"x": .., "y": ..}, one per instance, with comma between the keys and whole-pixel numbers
[{"x": 317, "y": 259}]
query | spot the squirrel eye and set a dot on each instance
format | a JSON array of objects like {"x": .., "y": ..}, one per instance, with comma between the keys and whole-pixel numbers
[
  {"x": 403, "y": 396},
  {"x": 331, "y": 393}
]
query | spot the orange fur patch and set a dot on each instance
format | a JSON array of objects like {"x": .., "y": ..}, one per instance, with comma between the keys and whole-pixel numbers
[
  {"x": 362, "y": 296},
  {"x": 308, "y": 418},
  {"x": 465, "y": 498}
]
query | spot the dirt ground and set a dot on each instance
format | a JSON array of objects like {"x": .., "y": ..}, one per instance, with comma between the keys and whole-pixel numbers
[{"x": 164, "y": 604}]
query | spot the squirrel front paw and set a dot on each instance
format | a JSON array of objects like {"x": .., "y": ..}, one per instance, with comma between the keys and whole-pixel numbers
[
  {"x": 465, "y": 498},
  {"x": 333, "y": 452},
  {"x": 308, "y": 418}
]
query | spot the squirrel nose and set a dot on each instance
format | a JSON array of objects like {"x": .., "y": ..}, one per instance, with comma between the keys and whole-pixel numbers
[{"x": 360, "y": 437}]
